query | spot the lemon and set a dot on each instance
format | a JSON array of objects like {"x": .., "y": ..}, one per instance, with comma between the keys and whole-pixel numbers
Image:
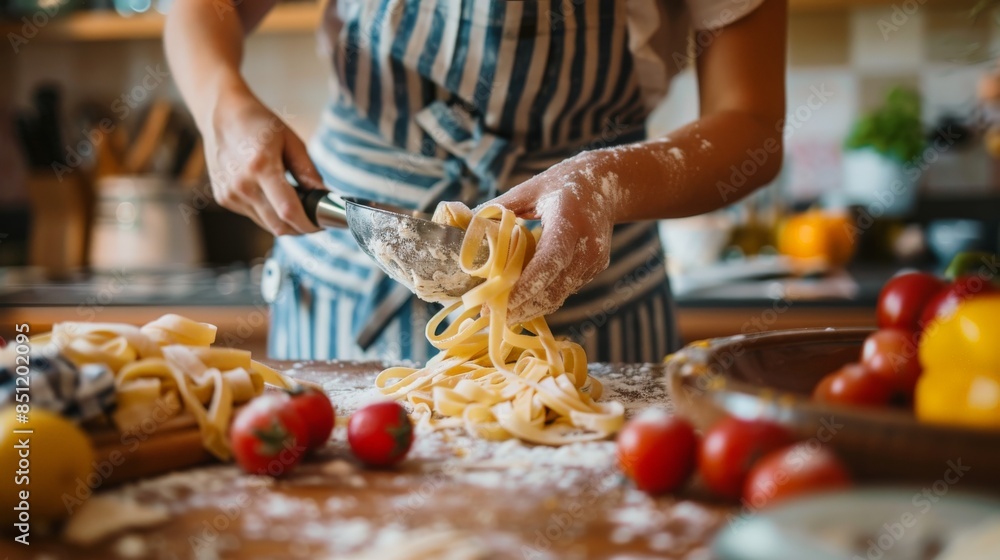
[{"x": 47, "y": 463}]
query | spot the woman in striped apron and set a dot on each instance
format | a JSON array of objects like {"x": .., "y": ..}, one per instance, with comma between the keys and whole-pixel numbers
[{"x": 542, "y": 103}]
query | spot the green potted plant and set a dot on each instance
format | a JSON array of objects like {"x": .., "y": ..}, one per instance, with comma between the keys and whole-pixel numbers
[{"x": 881, "y": 155}]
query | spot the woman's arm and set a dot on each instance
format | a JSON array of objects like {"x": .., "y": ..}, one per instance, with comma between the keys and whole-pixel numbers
[
  {"x": 741, "y": 85},
  {"x": 741, "y": 77},
  {"x": 247, "y": 146}
]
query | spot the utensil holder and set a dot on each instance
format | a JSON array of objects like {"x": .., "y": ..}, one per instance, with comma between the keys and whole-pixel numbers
[
  {"x": 59, "y": 229},
  {"x": 140, "y": 223}
]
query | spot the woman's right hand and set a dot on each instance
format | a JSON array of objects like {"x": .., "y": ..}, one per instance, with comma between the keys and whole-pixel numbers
[{"x": 248, "y": 148}]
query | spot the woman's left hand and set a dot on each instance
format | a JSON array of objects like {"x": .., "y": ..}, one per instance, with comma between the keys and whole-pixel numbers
[{"x": 577, "y": 202}]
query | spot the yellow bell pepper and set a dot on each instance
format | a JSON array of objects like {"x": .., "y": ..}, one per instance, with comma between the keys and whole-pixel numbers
[{"x": 960, "y": 356}]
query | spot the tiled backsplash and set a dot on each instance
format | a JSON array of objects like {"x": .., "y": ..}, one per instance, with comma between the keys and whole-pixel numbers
[{"x": 841, "y": 62}]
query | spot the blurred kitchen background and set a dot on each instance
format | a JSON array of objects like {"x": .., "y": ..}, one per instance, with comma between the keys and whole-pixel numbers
[{"x": 892, "y": 146}]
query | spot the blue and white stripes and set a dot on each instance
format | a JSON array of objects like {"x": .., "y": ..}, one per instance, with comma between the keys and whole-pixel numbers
[{"x": 452, "y": 99}]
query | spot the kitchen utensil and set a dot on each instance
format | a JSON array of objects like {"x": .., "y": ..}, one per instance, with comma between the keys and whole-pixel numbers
[
  {"x": 406, "y": 244},
  {"x": 194, "y": 167},
  {"x": 27, "y": 131},
  {"x": 49, "y": 123},
  {"x": 186, "y": 146},
  {"x": 771, "y": 376},
  {"x": 105, "y": 129},
  {"x": 106, "y": 161},
  {"x": 137, "y": 225},
  {"x": 148, "y": 138}
]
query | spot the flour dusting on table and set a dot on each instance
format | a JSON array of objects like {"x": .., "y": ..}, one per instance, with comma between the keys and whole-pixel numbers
[{"x": 469, "y": 497}]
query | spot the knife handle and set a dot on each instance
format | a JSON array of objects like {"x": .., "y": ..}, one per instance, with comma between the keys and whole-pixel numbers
[
  {"x": 323, "y": 207},
  {"x": 310, "y": 201}
]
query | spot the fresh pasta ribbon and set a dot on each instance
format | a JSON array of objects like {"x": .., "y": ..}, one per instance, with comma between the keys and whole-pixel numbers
[
  {"x": 496, "y": 381},
  {"x": 167, "y": 371}
]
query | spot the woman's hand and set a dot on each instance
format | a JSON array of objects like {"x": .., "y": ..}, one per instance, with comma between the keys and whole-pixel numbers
[
  {"x": 577, "y": 202},
  {"x": 248, "y": 148}
]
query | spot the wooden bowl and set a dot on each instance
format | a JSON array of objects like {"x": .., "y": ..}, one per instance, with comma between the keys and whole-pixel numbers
[{"x": 771, "y": 375}]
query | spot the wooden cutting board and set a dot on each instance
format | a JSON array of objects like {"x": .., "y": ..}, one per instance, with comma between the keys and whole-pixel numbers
[
  {"x": 488, "y": 500},
  {"x": 139, "y": 455}
]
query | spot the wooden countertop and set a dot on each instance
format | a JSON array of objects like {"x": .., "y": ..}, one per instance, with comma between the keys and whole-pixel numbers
[{"x": 491, "y": 500}]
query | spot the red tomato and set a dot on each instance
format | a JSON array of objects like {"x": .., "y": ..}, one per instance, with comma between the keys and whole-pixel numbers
[
  {"x": 315, "y": 408},
  {"x": 803, "y": 468},
  {"x": 902, "y": 300},
  {"x": 944, "y": 303},
  {"x": 731, "y": 448},
  {"x": 854, "y": 384},
  {"x": 380, "y": 434},
  {"x": 268, "y": 437},
  {"x": 891, "y": 354},
  {"x": 657, "y": 451}
]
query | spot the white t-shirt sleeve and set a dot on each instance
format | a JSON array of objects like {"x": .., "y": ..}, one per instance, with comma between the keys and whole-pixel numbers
[{"x": 713, "y": 14}]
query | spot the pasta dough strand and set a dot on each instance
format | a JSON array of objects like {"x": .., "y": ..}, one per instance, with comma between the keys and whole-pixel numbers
[
  {"x": 505, "y": 382},
  {"x": 168, "y": 369}
]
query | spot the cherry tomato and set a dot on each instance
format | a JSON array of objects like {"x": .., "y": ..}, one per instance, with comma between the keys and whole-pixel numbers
[
  {"x": 380, "y": 434},
  {"x": 854, "y": 384},
  {"x": 892, "y": 355},
  {"x": 657, "y": 451},
  {"x": 315, "y": 408},
  {"x": 946, "y": 301},
  {"x": 731, "y": 448},
  {"x": 803, "y": 468},
  {"x": 902, "y": 300},
  {"x": 268, "y": 437}
]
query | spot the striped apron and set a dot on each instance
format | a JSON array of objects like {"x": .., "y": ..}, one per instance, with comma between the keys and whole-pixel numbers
[{"x": 460, "y": 100}]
